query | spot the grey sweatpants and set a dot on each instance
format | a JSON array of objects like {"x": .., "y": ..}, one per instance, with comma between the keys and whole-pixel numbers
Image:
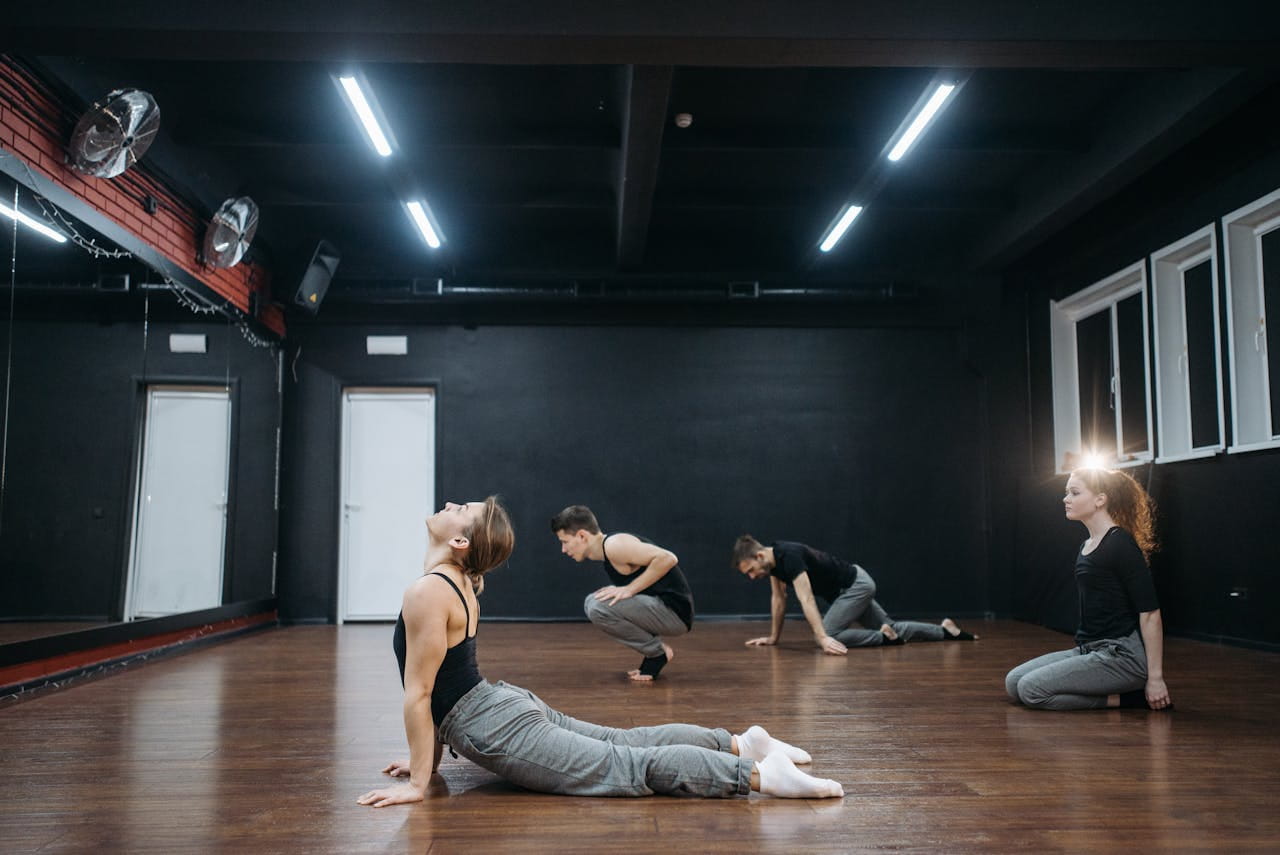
[
  {"x": 1082, "y": 677},
  {"x": 511, "y": 732},
  {"x": 639, "y": 622},
  {"x": 854, "y": 618}
]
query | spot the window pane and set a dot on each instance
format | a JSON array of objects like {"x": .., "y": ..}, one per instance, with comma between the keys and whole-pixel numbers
[
  {"x": 1133, "y": 375},
  {"x": 1093, "y": 361},
  {"x": 1202, "y": 355},
  {"x": 1271, "y": 309}
]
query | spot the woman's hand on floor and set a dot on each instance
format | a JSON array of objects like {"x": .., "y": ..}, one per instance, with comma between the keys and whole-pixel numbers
[
  {"x": 1157, "y": 694},
  {"x": 397, "y": 768},
  {"x": 400, "y": 794}
]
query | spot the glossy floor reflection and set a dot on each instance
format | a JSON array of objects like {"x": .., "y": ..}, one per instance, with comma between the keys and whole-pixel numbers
[
  {"x": 262, "y": 744},
  {"x": 19, "y": 630}
]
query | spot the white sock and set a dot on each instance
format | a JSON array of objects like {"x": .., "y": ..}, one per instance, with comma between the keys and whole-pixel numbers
[
  {"x": 756, "y": 744},
  {"x": 780, "y": 777}
]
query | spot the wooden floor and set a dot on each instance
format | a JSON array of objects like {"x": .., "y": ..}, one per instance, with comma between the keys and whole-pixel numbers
[{"x": 262, "y": 743}]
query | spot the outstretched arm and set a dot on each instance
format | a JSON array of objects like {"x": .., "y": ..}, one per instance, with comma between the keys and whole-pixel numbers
[
  {"x": 777, "y": 614},
  {"x": 1152, "y": 628},
  {"x": 402, "y": 768},
  {"x": 808, "y": 605},
  {"x": 437, "y": 753},
  {"x": 656, "y": 561},
  {"x": 426, "y": 622}
]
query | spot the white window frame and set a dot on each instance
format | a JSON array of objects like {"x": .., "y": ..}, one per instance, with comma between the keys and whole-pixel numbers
[
  {"x": 1063, "y": 315},
  {"x": 1242, "y": 231},
  {"x": 1173, "y": 382}
]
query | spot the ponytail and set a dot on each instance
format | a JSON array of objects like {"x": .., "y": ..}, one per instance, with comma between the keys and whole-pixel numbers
[
  {"x": 1128, "y": 504},
  {"x": 492, "y": 541}
]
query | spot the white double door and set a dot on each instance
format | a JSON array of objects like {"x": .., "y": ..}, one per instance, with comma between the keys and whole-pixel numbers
[
  {"x": 180, "y": 508},
  {"x": 387, "y": 492}
]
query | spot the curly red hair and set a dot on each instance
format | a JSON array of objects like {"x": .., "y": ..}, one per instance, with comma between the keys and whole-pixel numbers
[{"x": 1128, "y": 503}]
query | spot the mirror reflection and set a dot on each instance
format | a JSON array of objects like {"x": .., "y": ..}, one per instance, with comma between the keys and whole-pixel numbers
[{"x": 138, "y": 435}]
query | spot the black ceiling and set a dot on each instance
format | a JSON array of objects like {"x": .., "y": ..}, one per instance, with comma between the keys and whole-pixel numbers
[{"x": 543, "y": 134}]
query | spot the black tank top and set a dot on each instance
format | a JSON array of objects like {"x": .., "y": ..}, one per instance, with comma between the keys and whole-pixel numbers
[
  {"x": 672, "y": 589},
  {"x": 458, "y": 673}
]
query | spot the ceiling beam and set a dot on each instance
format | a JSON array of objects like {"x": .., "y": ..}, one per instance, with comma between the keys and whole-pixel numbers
[
  {"x": 242, "y": 46},
  {"x": 374, "y": 197},
  {"x": 898, "y": 33},
  {"x": 211, "y": 133},
  {"x": 835, "y": 139},
  {"x": 1152, "y": 120},
  {"x": 648, "y": 90},
  {"x": 803, "y": 203}
]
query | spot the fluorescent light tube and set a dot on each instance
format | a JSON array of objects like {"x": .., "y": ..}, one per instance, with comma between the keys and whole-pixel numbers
[
  {"x": 34, "y": 225},
  {"x": 365, "y": 112},
  {"x": 841, "y": 226},
  {"x": 922, "y": 120},
  {"x": 420, "y": 219}
]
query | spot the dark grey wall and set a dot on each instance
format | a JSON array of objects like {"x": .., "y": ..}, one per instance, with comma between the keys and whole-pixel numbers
[
  {"x": 75, "y": 407},
  {"x": 865, "y": 442},
  {"x": 1215, "y": 515}
]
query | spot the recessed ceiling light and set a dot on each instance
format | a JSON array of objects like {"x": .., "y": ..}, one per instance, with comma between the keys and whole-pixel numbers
[
  {"x": 365, "y": 113},
  {"x": 34, "y": 225},
  {"x": 419, "y": 213},
  {"x": 921, "y": 120},
  {"x": 842, "y": 225}
]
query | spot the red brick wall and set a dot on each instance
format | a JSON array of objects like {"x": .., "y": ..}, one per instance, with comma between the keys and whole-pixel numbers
[{"x": 175, "y": 230}]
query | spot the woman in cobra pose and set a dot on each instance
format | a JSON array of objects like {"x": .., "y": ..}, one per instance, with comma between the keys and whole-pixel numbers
[
  {"x": 1118, "y": 659},
  {"x": 511, "y": 732}
]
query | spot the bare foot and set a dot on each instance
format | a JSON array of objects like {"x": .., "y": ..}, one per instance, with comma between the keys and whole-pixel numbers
[
  {"x": 636, "y": 677},
  {"x": 953, "y": 629},
  {"x": 888, "y": 632}
]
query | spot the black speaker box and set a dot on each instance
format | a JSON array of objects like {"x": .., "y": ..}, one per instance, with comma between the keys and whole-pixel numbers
[{"x": 316, "y": 276}]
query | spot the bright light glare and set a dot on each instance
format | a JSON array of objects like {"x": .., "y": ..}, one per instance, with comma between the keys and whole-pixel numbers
[
  {"x": 838, "y": 230},
  {"x": 926, "y": 115},
  {"x": 34, "y": 225},
  {"x": 423, "y": 222},
  {"x": 1093, "y": 461},
  {"x": 356, "y": 96}
]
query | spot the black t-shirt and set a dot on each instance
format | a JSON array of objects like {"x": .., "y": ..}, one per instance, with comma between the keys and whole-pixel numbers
[
  {"x": 828, "y": 575},
  {"x": 1114, "y": 585},
  {"x": 672, "y": 588}
]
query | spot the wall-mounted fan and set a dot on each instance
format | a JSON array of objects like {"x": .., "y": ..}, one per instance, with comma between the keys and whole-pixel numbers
[
  {"x": 115, "y": 133},
  {"x": 230, "y": 232}
]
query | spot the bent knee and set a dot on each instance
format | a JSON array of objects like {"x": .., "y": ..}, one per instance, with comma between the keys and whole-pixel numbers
[
  {"x": 1032, "y": 693},
  {"x": 596, "y": 610}
]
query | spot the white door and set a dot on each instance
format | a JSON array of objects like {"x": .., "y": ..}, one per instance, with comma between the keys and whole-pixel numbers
[
  {"x": 180, "y": 512},
  {"x": 387, "y": 492}
]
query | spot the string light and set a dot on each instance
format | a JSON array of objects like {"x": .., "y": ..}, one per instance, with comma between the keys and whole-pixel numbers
[{"x": 196, "y": 305}]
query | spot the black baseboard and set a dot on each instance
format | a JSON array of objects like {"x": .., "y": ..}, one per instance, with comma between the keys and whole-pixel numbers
[
  {"x": 61, "y": 680},
  {"x": 1228, "y": 640},
  {"x": 117, "y": 633}
]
